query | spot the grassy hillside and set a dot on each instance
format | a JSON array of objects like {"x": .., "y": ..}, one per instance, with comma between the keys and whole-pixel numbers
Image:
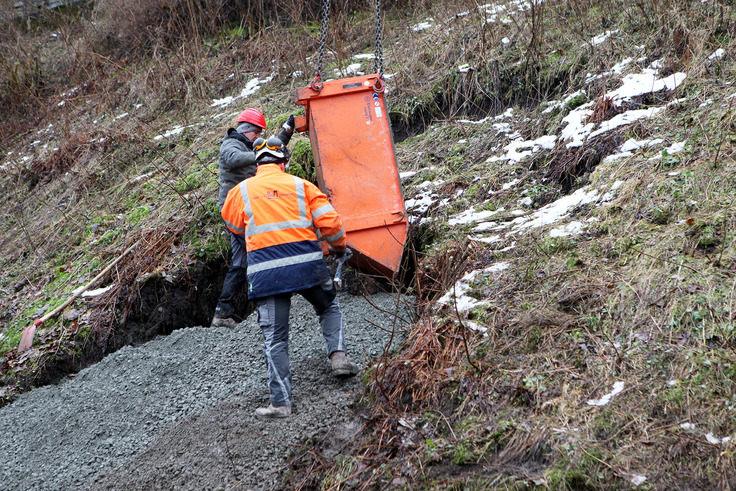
[{"x": 568, "y": 167}]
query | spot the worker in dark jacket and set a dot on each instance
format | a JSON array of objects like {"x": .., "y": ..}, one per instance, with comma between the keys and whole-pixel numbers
[
  {"x": 237, "y": 163},
  {"x": 283, "y": 218}
]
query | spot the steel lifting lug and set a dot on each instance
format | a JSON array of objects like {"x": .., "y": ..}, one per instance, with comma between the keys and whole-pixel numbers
[
  {"x": 378, "y": 85},
  {"x": 317, "y": 84},
  {"x": 400, "y": 216}
]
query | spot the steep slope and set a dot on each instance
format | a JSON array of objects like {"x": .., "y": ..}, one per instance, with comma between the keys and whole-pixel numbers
[{"x": 568, "y": 166}]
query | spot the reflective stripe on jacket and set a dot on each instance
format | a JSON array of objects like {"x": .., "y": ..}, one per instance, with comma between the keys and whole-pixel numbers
[{"x": 282, "y": 216}]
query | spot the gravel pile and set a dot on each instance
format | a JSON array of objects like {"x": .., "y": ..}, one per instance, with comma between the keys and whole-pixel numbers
[{"x": 177, "y": 412}]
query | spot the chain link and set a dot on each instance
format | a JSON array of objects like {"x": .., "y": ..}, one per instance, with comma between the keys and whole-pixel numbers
[
  {"x": 378, "y": 60},
  {"x": 323, "y": 35}
]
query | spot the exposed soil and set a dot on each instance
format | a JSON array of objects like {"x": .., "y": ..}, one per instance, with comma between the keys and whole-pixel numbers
[
  {"x": 163, "y": 306},
  {"x": 160, "y": 307}
]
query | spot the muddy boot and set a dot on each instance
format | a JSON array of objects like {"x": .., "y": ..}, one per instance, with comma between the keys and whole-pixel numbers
[
  {"x": 273, "y": 412},
  {"x": 341, "y": 366},
  {"x": 223, "y": 322}
]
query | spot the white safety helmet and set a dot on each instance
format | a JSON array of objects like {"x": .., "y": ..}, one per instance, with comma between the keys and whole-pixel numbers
[{"x": 271, "y": 151}]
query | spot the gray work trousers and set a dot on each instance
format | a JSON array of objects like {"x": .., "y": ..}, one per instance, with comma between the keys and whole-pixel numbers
[{"x": 273, "y": 317}]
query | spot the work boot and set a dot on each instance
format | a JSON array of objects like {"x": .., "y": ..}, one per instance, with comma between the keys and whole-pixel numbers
[
  {"x": 273, "y": 412},
  {"x": 341, "y": 366},
  {"x": 223, "y": 322}
]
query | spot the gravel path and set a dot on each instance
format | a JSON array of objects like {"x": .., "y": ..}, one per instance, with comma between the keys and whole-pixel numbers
[{"x": 177, "y": 412}]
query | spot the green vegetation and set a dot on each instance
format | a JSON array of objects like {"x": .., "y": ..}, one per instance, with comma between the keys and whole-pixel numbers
[{"x": 301, "y": 162}]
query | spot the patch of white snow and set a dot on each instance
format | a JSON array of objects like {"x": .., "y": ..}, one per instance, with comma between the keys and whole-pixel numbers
[
  {"x": 457, "y": 294},
  {"x": 423, "y": 25},
  {"x": 617, "y": 388},
  {"x": 601, "y": 38},
  {"x": 99, "y": 291},
  {"x": 716, "y": 54},
  {"x": 572, "y": 228}
]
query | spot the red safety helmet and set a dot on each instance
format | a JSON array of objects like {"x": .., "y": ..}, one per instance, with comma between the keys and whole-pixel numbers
[{"x": 253, "y": 116}]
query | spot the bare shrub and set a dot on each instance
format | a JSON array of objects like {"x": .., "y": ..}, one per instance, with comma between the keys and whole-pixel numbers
[
  {"x": 7, "y": 21},
  {"x": 35, "y": 61},
  {"x": 128, "y": 27},
  {"x": 125, "y": 28},
  {"x": 20, "y": 70}
]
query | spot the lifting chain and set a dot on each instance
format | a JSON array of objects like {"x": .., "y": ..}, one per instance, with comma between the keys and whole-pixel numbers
[
  {"x": 378, "y": 61},
  {"x": 323, "y": 37}
]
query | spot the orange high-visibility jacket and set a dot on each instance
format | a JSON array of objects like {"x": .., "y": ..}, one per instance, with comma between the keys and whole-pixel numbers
[{"x": 283, "y": 218}]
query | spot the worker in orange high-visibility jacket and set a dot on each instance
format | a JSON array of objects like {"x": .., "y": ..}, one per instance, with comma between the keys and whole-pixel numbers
[{"x": 283, "y": 218}]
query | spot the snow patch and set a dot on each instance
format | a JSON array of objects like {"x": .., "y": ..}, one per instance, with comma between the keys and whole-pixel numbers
[
  {"x": 554, "y": 211},
  {"x": 572, "y": 228},
  {"x": 601, "y": 38},
  {"x": 470, "y": 215},
  {"x": 250, "y": 88},
  {"x": 423, "y": 25},
  {"x": 637, "y": 479},
  {"x": 715, "y": 440},
  {"x": 97, "y": 292},
  {"x": 457, "y": 294},
  {"x": 173, "y": 131},
  {"x": 632, "y": 144},
  {"x": 717, "y": 54},
  {"x": 617, "y": 388}
]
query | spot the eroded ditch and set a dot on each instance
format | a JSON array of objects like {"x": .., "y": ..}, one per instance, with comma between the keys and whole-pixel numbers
[{"x": 162, "y": 306}]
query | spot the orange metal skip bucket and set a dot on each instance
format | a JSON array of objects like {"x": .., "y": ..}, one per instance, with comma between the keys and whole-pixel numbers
[{"x": 354, "y": 156}]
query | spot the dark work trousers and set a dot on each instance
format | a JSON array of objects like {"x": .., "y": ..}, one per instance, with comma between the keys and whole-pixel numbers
[
  {"x": 273, "y": 317},
  {"x": 234, "y": 279}
]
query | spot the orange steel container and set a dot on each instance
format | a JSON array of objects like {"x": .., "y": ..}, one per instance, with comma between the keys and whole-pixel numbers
[{"x": 353, "y": 151}]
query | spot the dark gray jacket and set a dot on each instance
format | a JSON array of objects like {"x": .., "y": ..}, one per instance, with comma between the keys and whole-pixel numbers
[{"x": 238, "y": 161}]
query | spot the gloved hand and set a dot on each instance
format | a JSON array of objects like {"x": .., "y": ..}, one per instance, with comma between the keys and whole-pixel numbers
[
  {"x": 289, "y": 125},
  {"x": 338, "y": 254}
]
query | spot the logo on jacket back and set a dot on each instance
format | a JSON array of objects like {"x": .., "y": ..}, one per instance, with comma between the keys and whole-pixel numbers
[{"x": 272, "y": 194}]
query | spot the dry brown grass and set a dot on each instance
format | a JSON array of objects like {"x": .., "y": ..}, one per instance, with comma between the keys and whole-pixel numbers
[
  {"x": 114, "y": 306},
  {"x": 567, "y": 165},
  {"x": 417, "y": 377}
]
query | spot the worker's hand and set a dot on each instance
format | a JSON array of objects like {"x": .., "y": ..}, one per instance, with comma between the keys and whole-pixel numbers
[
  {"x": 338, "y": 254},
  {"x": 289, "y": 125}
]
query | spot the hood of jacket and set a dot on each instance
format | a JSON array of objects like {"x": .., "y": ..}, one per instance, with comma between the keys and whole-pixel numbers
[{"x": 233, "y": 133}]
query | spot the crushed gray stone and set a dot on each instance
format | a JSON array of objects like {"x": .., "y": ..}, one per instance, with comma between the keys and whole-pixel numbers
[{"x": 178, "y": 412}]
